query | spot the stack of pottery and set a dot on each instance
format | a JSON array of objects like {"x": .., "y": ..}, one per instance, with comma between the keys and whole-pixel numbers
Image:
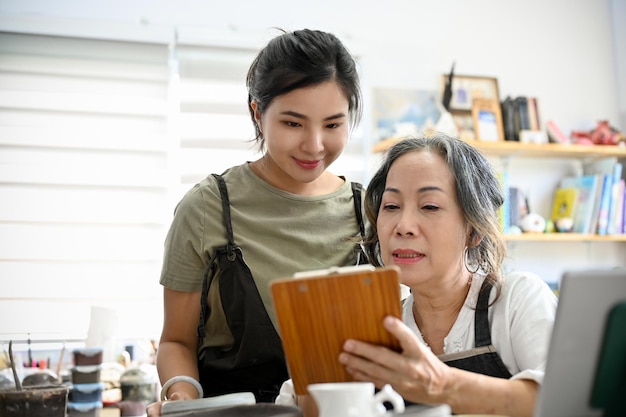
[
  {"x": 86, "y": 393},
  {"x": 139, "y": 387}
]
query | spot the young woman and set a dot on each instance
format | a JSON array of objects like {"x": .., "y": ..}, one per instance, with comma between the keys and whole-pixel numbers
[
  {"x": 470, "y": 337},
  {"x": 261, "y": 220}
]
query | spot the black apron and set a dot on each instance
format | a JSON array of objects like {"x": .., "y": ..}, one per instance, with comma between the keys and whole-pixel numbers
[
  {"x": 483, "y": 359},
  {"x": 256, "y": 361}
]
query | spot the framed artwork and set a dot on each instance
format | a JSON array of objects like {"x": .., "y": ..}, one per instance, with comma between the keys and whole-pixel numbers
[
  {"x": 466, "y": 88},
  {"x": 404, "y": 112},
  {"x": 487, "y": 117}
]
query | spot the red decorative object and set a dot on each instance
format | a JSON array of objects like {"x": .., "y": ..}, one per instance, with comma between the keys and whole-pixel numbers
[{"x": 603, "y": 134}]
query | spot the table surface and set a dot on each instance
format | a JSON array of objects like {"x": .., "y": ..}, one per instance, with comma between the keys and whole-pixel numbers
[
  {"x": 110, "y": 412},
  {"x": 115, "y": 412}
]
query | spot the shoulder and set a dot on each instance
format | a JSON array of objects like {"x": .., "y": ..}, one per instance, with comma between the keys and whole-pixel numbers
[
  {"x": 207, "y": 189},
  {"x": 523, "y": 281},
  {"x": 526, "y": 291},
  {"x": 198, "y": 195}
]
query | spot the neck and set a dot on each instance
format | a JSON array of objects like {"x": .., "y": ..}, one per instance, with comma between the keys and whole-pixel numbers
[
  {"x": 436, "y": 312},
  {"x": 445, "y": 297}
]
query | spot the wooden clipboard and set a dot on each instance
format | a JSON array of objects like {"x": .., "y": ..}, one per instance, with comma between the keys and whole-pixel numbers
[{"x": 318, "y": 310}]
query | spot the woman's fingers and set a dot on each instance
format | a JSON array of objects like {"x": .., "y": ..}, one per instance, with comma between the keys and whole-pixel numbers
[
  {"x": 378, "y": 363},
  {"x": 409, "y": 342},
  {"x": 154, "y": 409},
  {"x": 413, "y": 372}
]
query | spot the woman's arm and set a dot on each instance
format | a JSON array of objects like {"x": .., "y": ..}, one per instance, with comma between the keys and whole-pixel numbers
[
  {"x": 419, "y": 376},
  {"x": 177, "y": 352}
]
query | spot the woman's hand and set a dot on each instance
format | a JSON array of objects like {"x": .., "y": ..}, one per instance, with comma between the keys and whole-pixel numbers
[
  {"x": 415, "y": 373},
  {"x": 154, "y": 409}
]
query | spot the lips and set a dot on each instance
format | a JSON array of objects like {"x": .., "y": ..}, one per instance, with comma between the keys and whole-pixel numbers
[
  {"x": 308, "y": 164},
  {"x": 407, "y": 256}
]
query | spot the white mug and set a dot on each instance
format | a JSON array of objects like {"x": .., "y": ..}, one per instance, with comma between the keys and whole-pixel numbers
[{"x": 353, "y": 399}]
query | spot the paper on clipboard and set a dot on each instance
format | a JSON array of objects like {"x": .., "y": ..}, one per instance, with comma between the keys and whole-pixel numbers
[{"x": 321, "y": 309}]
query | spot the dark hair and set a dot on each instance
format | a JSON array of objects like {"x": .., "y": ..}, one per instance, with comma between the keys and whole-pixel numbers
[
  {"x": 478, "y": 192},
  {"x": 300, "y": 59}
]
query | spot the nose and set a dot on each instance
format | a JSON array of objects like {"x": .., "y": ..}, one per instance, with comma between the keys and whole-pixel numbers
[
  {"x": 313, "y": 142},
  {"x": 407, "y": 224}
]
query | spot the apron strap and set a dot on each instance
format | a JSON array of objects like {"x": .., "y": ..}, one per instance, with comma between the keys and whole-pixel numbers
[
  {"x": 482, "y": 334},
  {"x": 225, "y": 209},
  {"x": 356, "y": 192},
  {"x": 204, "y": 308}
]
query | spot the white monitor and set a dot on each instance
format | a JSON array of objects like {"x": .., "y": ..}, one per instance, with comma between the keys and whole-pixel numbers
[{"x": 586, "y": 299}]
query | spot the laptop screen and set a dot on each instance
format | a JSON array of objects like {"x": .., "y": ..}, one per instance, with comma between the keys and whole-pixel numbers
[{"x": 586, "y": 300}]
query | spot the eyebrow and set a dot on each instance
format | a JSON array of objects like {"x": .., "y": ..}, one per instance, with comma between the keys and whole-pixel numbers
[
  {"x": 302, "y": 116},
  {"x": 419, "y": 190}
]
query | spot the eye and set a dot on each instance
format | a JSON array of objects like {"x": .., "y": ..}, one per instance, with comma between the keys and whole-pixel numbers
[
  {"x": 390, "y": 207},
  {"x": 292, "y": 124},
  {"x": 333, "y": 125},
  {"x": 430, "y": 207}
]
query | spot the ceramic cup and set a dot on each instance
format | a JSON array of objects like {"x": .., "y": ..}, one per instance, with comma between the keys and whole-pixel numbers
[{"x": 354, "y": 399}]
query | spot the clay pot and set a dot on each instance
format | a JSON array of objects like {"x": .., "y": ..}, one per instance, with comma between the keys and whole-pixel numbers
[{"x": 39, "y": 401}]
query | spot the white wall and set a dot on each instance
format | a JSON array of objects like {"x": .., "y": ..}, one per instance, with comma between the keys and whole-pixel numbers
[
  {"x": 563, "y": 52},
  {"x": 560, "y": 51}
]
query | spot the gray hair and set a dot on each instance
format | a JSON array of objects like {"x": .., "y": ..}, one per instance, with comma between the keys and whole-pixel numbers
[{"x": 478, "y": 190}]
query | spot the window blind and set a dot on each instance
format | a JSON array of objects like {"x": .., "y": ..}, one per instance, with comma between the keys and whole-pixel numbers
[
  {"x": 83, "y": 184},
  {"x": 99, "y": 139}
]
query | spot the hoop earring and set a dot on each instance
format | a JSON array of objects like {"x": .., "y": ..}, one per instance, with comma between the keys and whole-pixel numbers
[{"x": 466, "y": 260}]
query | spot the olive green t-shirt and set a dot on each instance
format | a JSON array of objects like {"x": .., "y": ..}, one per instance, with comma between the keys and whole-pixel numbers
[{"x": 279, "y": 233}]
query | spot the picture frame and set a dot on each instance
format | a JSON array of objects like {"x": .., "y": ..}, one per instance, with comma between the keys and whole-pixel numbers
[
  {"x": 487, "y": 118},
  {"x": 466, "y": 88}
]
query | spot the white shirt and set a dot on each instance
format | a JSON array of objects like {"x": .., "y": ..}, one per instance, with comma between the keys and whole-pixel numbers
[
  {"x": 521, "y": 323},
  {"x": 521, "y": 326}
]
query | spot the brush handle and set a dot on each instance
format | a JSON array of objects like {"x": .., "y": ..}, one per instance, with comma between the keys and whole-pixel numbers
[{"x": 18, "y": 383}]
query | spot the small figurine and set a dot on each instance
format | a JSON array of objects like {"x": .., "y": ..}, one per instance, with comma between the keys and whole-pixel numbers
[
  {"x": 564, "y": 224},
  {"x": 447, "y": 91},
  {"x": 533, "y": 223}
]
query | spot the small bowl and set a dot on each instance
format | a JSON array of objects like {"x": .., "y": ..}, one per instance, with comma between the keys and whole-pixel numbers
[{"x": 44, "y": 377}]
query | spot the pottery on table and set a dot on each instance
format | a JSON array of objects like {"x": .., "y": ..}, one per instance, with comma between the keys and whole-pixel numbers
[{"x": 39, "y": 401}]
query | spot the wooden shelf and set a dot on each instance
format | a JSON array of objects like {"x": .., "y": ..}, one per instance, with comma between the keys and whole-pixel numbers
[
  {"x": 530, "y": 150},
  {"x": 563, "y": 237},
  {"x": 533, "y": 150}
]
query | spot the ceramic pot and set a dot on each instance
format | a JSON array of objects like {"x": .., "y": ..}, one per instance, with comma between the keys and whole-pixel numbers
[{"x": 40, "y": 401}]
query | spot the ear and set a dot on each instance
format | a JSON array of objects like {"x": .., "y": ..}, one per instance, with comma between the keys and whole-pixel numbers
[
  {"x": 473, "y": 238},
  {"x": 254, "y": 105}
]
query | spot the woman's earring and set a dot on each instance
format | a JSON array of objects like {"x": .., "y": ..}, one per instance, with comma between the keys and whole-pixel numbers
[{"x": 471, "y": 259}]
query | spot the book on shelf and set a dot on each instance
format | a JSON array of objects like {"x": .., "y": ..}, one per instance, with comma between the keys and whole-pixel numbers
[
  {"x": 617, "y": 220},
  {"x": 555, "y": 134},
  {"x": 514, "y": 215},
  {"x": 624, "y": 213},
  {"x": 519, "y": 114},
  {"x": 587, "y": 186},
  {"x": 508, "y": 120},
  {"x": 606, "y": 169},
  {"x": 564, "y": 204},
  {"x": 615, "y": 201},
  {"x": 605, "y": 203},
  {"x": 518, "y": 206},
  {"x": 522, "y": 120},
  {"x": 593, "y": 225},
  {"x": 533, "y": 114}
]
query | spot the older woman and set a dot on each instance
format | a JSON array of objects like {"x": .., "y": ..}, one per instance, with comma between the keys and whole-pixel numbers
[{"x": 471, "y": 337}]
